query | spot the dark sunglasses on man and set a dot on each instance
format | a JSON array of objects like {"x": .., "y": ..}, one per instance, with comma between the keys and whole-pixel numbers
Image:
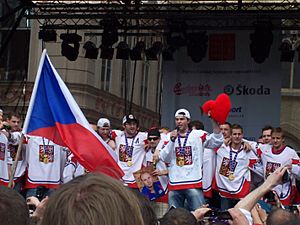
[{"x": 153, "y": 138}]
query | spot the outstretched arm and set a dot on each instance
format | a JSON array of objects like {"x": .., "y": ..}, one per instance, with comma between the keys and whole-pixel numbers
[{"x": 273, "y": 180}]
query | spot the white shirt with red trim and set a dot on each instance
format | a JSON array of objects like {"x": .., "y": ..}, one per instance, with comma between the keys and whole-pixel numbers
[
  {"x": 4, "y": 178},
  {"x": 209, "y": 168},
  {"x": 12, "y": 149},
  {"x": 127, "y": 162},
  {"x": 46, "y": 161},
  {"x": 271, "y": 160},
  {"x": 72, "y": 168},
  {"x": 239, "y": 187},
  {"x": 185, "y": 170}
]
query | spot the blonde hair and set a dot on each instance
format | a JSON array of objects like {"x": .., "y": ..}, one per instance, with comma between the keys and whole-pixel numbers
[{"x": 93, "y": 199}]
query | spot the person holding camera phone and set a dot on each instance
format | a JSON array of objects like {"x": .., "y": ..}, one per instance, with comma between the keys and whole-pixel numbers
[{"x": 276, "y": 155}]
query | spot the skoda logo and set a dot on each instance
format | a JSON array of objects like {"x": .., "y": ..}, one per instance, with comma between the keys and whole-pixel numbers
[{"x": 228, "y": 89}]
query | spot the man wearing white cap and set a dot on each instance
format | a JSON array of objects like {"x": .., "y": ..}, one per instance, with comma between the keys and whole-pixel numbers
[
  {"x": 130, "y": 148},
  {"x": 184, "y": 152},
  {"x": 103, "y": 128}
]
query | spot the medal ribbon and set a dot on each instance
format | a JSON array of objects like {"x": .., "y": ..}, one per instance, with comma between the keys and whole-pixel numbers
[
  {"x": 181, "y": 148},
  {"x": 128, "y": 149},
  {"x": 231, "y": 162}
]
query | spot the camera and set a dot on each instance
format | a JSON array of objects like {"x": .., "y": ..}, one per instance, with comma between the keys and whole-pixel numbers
[
  {"x": 31, "y": 209},
  {"x": 213, "y": 215},
  {"x": 41, "y": 192},
  {"x": 292, "y": 209},
  {"x": 270, "y": 197}
]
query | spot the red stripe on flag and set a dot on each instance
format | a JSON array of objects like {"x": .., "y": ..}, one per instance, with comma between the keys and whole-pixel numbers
[{"x": 85, "y": 146}]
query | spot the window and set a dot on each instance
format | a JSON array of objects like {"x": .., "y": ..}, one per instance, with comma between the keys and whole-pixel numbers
[
  {"x": 14, "y": 61},
  {"x": 105, "y": 74}
]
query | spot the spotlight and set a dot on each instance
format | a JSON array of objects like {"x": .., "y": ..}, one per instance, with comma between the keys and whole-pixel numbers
[
  {"x": 197, "y": 46},
  {"x": 136, "y": 52},
  {"x": 91, "y": 51},
  {"x": 70, "y": 45},
  {"x": 261, "y": 41},
  {"x": 47, "y": 35},
  {"x": 110, "y": 32},
  {"x": 123, "y": 51},
  {"x": 176, "y": 40},
  {"x": 167, "y": 54},
  {"x": 152, "y": 52},
  {"x": 287, "y": 52},
  {"x": 106, "y": 52}
]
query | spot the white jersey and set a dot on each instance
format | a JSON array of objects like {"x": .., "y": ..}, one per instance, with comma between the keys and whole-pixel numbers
[
  {"x": 271, "y": 160},
  {"x": 13, "y": 143},
  {"x": 185, "y": 170},
  {"x": 209, "y": 167},
  {"x": 239, "y": 186},
  {"x": 130, "y": 159},
  {"x": 72, "y": 169},
  {"x": 4, "y": 178},
  {"x": 46, "y": 162}
]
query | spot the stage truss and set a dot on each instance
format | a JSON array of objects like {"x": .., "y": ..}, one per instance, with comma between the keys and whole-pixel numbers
[{"x": 141, "y": 16}]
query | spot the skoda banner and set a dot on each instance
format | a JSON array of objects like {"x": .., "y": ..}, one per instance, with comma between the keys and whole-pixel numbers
[{"x": 253, "y": 88}]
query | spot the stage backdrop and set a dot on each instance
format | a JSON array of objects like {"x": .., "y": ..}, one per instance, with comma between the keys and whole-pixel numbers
[{"x": 254, "y": 89}]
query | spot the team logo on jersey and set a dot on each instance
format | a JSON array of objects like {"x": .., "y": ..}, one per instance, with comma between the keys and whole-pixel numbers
[
  {"x": 271, "y": 167},
  {"x": 224, "y": 169},
  {"x": 184, "y": 156},
  {"x": 46, "y": 153},
  {"x": 13, "y": 152},
  {"x": 2, "y": 151},
  {"x": 125, "y": 154}
]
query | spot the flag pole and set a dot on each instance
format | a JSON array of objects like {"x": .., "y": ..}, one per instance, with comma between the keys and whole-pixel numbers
[{"x": 15, "y": 163}]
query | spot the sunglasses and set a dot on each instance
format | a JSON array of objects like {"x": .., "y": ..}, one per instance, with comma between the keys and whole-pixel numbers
[{"x": 153, "y": 138}]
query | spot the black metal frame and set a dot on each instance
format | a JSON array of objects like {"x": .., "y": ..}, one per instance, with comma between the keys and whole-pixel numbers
[{"x": 158, "y": 16}]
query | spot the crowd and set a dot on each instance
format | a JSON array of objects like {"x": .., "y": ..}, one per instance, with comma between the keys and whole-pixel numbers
[{"x": 183, "y": 176}]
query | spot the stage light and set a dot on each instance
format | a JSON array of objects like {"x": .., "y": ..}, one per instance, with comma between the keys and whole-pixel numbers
[
  {"x": 70, "y": 45},
  {"x": 152, "y": 52},
  {"x": 106, "y": 52},
  {"x": 47, "y": 35},
  {"x": 110, "y": 32},
  {"x": 176, "y": 40},
  {"x": 261, "y": 42},
  {"x": 91, "y": 51},
  {"x": 123, "y": 51},
  {"x": 136, "y": 52},
  {"x": 287, "y": 51},
  {"x": 197, "y": 46}
]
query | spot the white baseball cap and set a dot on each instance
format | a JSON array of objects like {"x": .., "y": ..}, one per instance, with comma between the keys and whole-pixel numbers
[
  {"x": 103, "y": 122},
  {"x": 183, "y": 112}
]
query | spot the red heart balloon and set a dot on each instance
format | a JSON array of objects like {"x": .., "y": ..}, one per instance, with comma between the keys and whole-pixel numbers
[
  {"x": 219, "y": 109},
  {"x": 207, "y": 106}
]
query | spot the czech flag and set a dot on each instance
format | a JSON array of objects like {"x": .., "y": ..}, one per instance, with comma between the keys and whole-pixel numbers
[{"x": 54, "y": 114}]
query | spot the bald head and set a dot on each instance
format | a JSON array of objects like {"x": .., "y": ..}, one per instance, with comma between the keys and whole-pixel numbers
[{"x": 279, "y": 217}]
